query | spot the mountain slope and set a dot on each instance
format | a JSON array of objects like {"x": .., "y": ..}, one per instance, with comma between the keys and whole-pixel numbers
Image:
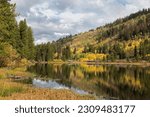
[
  {"x": 126, "y": 38},
  {"x": 122, "y": 30}
]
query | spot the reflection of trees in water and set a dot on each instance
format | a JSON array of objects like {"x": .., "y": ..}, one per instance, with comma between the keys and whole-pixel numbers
[
  {"x": 52, "y": 71},
  {"x": 66, "y": 70},
  {"x": 130, "y": 82},
  {"x": 125, "y": 82}
]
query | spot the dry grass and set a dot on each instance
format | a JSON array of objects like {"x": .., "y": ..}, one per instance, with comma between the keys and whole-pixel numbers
[
  {"x": 7, "y": 88},
  {"x": 47, "y": 94},
  {"x": 4, "y": 72},
  {"x": 20, "y": 72}
]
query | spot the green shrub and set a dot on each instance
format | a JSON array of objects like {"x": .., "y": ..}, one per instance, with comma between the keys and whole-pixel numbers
[{"x": 8, "y": 91}]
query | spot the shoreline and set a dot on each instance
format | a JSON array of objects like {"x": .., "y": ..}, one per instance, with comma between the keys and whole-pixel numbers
[
  {"x": 123, "y": 63},
  {"x": 140, "y": 63},
  {"x": 11, "y": 90}
]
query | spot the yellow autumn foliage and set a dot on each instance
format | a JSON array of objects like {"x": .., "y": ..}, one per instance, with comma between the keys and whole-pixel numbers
[
  {"x": 93, "y": 68},
  {"x": 132, "y": 82},
  {"x": 148, "y": 55},
  {"x": 79, "y": 50},
  {"x": 93, "y": 57},
  {"x": 78, "y": 74},
  {"x": 130, "y": 45},
  {"x": 8, "y": 55}
]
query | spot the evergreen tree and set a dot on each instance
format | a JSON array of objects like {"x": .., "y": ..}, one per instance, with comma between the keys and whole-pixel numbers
[
  {"x": 66, "y": 54},
  {"x": 23, "y": 38},
  {"x": 37, "y": 53},
  {"x": 18, "y": 37},
  {"x": 30, "y": 44},
  {"x": 26, "y": 42},
  {"x": 8, "y": 24},
  {"x": 50, "y": 51},
  {"x": 135, "y": 52}
]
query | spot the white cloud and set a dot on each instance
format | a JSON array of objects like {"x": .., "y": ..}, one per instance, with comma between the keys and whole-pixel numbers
[
  {"x": 43, "y": 10},
  {"x": 69, "y": 16},
  {"x": 19, "y": 18},
  {"x": 41, "y": 40},
  {"x": 99, "y": 3},
  {"x": 139, "y": 3},
  {"x": 61, "y": 34}
]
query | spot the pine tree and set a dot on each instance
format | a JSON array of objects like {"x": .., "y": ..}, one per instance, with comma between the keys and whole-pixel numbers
[
  {"x": 51, "y": 51},
  {"x": 38, "y": 56},
  {"x": 8, "y": 24},
  {"x": 30, "y": 44},
  {"x": 19, "y": 37},
  {"x": 135, "y": 53},
  {"x": 66, "y": 54},
  {"x": 23, "y": 38}
]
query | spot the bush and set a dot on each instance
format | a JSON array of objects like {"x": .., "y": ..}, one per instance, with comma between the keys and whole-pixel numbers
[{"x": 8, "y": 55}]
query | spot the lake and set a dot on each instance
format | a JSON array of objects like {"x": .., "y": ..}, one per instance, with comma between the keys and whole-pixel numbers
[{"x": 103, "y": 81}]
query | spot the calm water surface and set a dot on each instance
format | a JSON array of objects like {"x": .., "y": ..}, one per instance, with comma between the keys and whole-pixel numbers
[{"x": 108, "y": 81}]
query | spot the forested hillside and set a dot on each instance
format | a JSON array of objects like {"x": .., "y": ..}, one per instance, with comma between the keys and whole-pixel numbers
[
  {"x": 16, "y": 40},
  {"x": 125, "y": 39}
]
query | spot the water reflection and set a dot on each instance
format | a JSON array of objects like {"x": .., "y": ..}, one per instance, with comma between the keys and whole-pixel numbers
[
  {"x": 54, "y": 85},
  {"x": 123, "y": 82},
  {"x": 48, "y": 84}
]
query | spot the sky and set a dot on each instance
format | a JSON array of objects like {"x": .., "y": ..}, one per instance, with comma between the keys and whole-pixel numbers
[{"x": 52, "y": 19}]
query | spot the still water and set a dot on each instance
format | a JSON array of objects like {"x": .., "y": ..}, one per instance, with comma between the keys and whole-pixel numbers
[{"x": 107, "y": 81}]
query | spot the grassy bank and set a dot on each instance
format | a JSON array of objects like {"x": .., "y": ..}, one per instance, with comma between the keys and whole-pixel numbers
[
  {"x": 5, "y": 72},
  {"x": 46, "y": 94},
  {"x": 14, "y": 91},
  {"x": 7, "y": 88},
  {"x": 10, "y": 90}
]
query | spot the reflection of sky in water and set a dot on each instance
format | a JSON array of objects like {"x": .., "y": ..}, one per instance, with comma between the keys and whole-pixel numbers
[
  {"x": 78, "y": 91},
  {"x": 55, "y": 85}
]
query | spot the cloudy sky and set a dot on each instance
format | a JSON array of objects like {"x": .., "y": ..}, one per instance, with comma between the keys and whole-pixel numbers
[{"x": 52, "y": 19}]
